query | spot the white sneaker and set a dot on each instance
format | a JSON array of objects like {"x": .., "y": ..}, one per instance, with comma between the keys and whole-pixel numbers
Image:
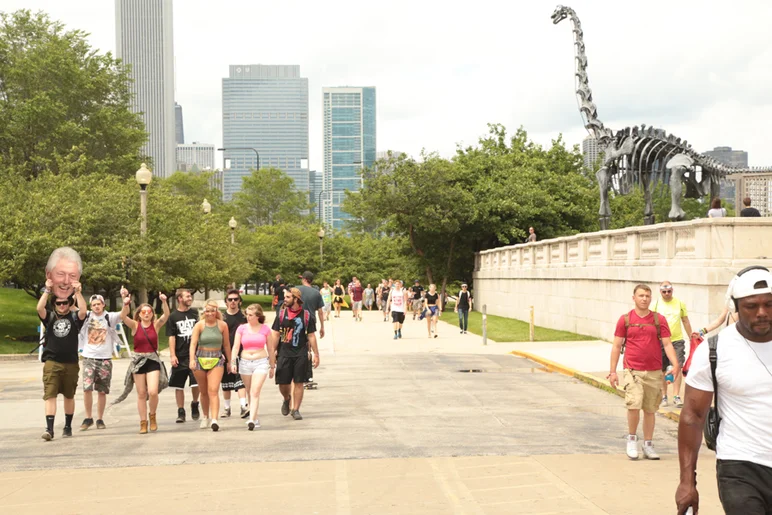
[
  {"x": 663, "y": 404},
  {"x": 648, "y": 451},
  {"x": 677, "y": 402},
  {"x": 204, "y": 423},
  {"x": 632, "y": 447}
]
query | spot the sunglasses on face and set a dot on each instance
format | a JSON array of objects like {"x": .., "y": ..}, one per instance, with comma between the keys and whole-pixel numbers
[
  {"x": 666, "y": 290},
  {"x": 233, "y": 299},
  {"x": 62, "y": 303},
  {"x": 145, "y": 310}
]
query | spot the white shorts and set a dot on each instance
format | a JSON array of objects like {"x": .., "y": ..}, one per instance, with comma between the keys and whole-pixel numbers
[
  {"x": 248, "y": 367},
  {"x": 356, "y": 305}
]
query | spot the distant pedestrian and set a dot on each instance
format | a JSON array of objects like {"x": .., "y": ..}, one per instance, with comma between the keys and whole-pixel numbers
[
  {"x": 293, "y": 336},
  {"x": 60, "y": 346},
  {"x": 232, "y": 381},
  {"x": 640, "y": 331},
  {"x": 369, "y": 297},
  {"x": 749, "y": 211},
  {"x": 383, "y": 295},
  {"x": 716, "y": 211},
  {"x": 417, "y": 293},
  {"x": 256, "y": 358},
  {"x": 674, "y": 311},
  {"x": 397, "y": 303},
  {"x": 179, "y": 330},
  {"x": 98, "y": 339},
  {"x": 433, "y": 307},
  {"x": 531, "y": 235},
  {"x": 312, "y": 299},
  {"x": 209, "y": 351},
  {"x": 337, "y": 297},
  {"x": 326, "y": 293},
  {"x": 740, "y": 379},
  {"x": 357, "y": 294},
  {"x": 146, "y": 371},
  {"x": 279, "y": 285},
  {"x": 463, "y": 305}
]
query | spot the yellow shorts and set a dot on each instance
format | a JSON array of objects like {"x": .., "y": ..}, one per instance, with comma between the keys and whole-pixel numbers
[{"x": 643, "y": 389}]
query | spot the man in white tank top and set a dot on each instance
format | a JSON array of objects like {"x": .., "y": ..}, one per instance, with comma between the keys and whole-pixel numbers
[{"x": 396, "y": 303}]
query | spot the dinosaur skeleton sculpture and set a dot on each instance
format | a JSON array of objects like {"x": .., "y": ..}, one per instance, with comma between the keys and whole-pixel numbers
[{"x": 642, "y": 155}]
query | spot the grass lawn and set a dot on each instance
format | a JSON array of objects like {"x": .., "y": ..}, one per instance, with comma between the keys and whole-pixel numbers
[
  {"x": 501, "y": 329},
  {"x": 19, "y": 322},
  {"x": 263, "y": 300}
]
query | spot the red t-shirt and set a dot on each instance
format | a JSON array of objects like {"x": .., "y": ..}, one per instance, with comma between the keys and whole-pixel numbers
[
  {"x": 643, "y": 350},
  {"x": 356, "y": 293}
]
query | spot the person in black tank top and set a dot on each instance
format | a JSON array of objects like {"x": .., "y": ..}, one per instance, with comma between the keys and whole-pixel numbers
[{"x": 432, "y": 305}]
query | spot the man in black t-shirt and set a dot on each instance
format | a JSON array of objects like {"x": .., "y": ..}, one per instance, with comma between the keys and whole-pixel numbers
[
  {"x": 748, "y": 210},
  {"x": 60, "y": 353},
  {"x": 463, "y": 305},
  {"x": 418, "y": 303},
  {"x": 279, "y": 286},
  {"x": 179, "y": 329},
  {"x": 293, "y": 334},
  {"x": 231, "y": 381}
]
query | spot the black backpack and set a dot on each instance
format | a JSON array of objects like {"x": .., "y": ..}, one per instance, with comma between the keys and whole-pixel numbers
[{"x": 713, "y": 420}]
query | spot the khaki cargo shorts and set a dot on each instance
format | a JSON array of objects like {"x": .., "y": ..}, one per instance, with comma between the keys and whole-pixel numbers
[
  {"x": 60, "y": 378},
  {"x": 643, "y": 389}
]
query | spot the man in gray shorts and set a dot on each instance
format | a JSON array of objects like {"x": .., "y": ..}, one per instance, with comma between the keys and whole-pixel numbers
[{"x": 674, "y": 310}]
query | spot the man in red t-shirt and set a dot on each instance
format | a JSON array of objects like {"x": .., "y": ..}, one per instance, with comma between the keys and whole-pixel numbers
[
  {"x": 642, "y": 364},
  {"x": 356, "y": 291}
]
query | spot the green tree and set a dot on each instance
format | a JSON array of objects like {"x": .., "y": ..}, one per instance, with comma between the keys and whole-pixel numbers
[
  {"x": 196, "y": 187},
  {"x": 267, "y": 197},
  {"x": 64, "y": 108}
]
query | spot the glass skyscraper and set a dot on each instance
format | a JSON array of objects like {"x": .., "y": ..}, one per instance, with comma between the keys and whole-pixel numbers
[
  {"x": 265, "y": 107},
  {"x": 349, "y": 145}
]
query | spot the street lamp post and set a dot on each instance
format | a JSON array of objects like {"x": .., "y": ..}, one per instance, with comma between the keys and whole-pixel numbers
[
  {"x": 321, "y": 246},
  {"x": 143, "y": 177},
  {"x": 232, "y": 224},
  {"x": 319, "y": 210},
  {"x": 240, "y": 148}
]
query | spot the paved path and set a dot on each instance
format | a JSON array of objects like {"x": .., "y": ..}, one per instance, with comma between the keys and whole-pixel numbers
[{"x": 395, "y": 427}]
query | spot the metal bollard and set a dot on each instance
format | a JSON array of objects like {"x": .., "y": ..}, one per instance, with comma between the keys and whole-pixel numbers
[
  {"x": 485, "y": 324},
  {"x": 531, "y": 328}
]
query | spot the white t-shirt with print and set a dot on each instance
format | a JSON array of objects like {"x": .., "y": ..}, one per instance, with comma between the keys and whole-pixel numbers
[
  {"x": 398, "y": 300},
  {"x": 744, "y": 395},
  {"x": 97, "y": 338}
]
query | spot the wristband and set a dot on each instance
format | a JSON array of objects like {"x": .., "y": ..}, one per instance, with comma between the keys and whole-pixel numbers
[{"x": 47, "y": 291}]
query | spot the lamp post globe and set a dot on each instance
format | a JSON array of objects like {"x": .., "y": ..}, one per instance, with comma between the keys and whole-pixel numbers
[
  {"x": 143, "y": 176},
  {"x": 232, "y": 224},
  {"x": 321, "y": 246},
  {"x": 206, "y": 207}
]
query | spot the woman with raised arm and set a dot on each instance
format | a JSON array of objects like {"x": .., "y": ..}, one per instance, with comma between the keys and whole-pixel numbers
[
  {"x": 209, "y": 341},
  {"x": 257, "y": 361},
  {"x": 146, "y": 369}
]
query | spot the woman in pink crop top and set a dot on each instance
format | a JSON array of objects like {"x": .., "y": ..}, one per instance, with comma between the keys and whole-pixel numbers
[{"x": 257, "y": 359}]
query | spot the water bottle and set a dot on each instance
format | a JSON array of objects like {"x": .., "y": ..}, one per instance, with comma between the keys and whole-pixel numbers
[{"x": 669, "y": 374}]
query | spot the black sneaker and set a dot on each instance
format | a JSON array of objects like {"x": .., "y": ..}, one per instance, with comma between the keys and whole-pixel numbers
[
  {"x": 215, "y": 426},
  {"x": 180, "y": 415},
  {"x": 101, "y": 424},
  {"x": 244, "y": 411},
  {"x": 194, "y": 414},
  {"x": 47, "y": 436},
  {"x": 296, "y": 415},
  {"x": 67, "y": 431},
  {"x": 87, "y": 422},
  {"x": 226, "y": 413},
  {"x": 285, "y": 407}
]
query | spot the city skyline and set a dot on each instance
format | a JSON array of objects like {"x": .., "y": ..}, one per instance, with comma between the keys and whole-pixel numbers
[
  {"x": 709, "y": 90},
  {"x": 144, "y": 40},
  {"x": 265, "y": 123}
]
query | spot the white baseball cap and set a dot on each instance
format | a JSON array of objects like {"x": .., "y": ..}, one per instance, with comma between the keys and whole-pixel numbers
[{"x": 755, "y": 281}]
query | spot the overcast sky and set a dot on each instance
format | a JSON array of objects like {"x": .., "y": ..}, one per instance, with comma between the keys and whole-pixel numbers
[{"x": 444, "y": 69}]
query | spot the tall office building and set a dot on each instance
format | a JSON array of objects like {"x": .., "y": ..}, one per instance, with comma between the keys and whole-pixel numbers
[
  {"x": 735, "y": 158},
  {"x": 195, "y": 157},
  {"x": 144, "y": 41},
  {"x": 315, "y": 187},
  {"x": 349, "y": 145},
  {"x": 179, "y": 129},
  {"x": 591, "y": 153},
  {"x": 265, "y": 113}
]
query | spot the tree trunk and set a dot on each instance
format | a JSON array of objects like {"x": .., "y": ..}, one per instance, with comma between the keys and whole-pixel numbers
[{"x": 447, "y": 271}]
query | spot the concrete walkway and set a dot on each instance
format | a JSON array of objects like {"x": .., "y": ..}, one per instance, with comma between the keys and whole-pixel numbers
[{"x": 396, "y": 426}]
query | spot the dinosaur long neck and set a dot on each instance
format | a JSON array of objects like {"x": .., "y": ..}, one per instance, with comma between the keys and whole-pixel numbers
[{"x": 586, "y": 105}]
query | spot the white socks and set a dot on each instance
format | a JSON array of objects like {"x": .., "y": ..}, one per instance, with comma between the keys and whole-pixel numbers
[
  {"x": 243, "y": 401},
  {"x": 227, "y": 403}
]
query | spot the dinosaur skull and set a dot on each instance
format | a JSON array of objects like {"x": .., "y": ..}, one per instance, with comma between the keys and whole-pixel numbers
[{"x": 560, "y": 14}]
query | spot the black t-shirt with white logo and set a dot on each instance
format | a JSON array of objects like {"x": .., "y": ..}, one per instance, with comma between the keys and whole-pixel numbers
[
  {"x": 61, "y": 342},
  {"x": 293, "y": 337},
  {"x": 417, "y": 289},
  {"x": 180, "y": 325}
]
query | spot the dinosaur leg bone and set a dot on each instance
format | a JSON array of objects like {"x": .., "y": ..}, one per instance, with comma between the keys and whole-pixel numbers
[{"x": 604, "y": 181}]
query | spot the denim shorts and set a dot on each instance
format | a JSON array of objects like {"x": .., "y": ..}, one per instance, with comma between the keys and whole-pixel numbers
[{"x": 248, "y": 367}]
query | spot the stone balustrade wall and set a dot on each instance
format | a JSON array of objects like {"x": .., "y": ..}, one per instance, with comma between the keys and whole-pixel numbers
[{"x": 583, "y": 283}]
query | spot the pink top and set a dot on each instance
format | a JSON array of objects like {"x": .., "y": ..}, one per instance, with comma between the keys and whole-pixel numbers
[{"x": 253, "y": 341}]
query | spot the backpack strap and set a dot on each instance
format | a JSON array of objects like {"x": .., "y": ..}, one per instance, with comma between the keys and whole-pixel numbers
[
  {"x": 281, "y": 315},
  {"x": 306, "y": 318},
  {"x": 656, "y": 324},
  {"x": 713, "y": 357}
]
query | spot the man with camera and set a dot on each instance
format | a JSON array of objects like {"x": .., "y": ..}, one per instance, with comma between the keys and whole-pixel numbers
[{"x": 743, "y": 379}]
